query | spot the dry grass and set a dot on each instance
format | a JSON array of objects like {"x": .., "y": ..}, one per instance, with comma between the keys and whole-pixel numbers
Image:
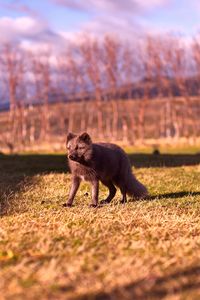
[{"x": 141, "y": 250}]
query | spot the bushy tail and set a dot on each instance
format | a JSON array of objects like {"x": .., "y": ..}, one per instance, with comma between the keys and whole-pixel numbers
[{"x": 135, "y": 188}]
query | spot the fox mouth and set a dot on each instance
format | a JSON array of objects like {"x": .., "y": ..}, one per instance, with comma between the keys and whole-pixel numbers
[
  {"x": 80, "y": 160},
  {"x": 76, "y": 158}
]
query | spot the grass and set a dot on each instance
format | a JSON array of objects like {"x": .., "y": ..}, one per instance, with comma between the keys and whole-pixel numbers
[{"x": 141, "y": 250}]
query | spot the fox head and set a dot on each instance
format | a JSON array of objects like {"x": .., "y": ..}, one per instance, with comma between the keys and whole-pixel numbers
[{"x": 79, "y": 147}]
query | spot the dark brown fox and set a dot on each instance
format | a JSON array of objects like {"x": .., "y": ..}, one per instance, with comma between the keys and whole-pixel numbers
[{"x": 103, "y": 162}]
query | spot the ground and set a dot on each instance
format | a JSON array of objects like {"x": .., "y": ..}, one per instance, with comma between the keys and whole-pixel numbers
[{"x": 146, "y": 249}]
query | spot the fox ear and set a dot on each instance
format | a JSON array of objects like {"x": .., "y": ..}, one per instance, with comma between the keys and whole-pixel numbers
[
  {"x": 70, "y": 136},
  {"x": 85, "y": 137}
]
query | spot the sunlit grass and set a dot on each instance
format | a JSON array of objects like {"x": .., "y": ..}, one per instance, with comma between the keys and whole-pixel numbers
[{"x": 142, "y": 249}]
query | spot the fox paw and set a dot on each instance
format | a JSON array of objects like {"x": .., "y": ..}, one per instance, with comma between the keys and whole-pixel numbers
[
  {"x": 123, "y": 201},
  {"x": 93, "y": 205},
  {"x": 103, "y": 202},
  {"x": 67, "y": 205}
]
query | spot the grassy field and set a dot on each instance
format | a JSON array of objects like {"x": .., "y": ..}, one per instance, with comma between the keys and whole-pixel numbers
[{"x": 142, "y": 250}]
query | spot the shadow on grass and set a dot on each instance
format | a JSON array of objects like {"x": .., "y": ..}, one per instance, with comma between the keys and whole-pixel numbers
[
  {"x": 173, "y": 195},
  {"x": 15, "y": 169},
  {"x": 32, "y": 164},
  {"x": 182, "y": 281},
  {"x": 44, "y": 163},
  {"x": 140, "y": 160},
  {"x": 18, "y": 170}
]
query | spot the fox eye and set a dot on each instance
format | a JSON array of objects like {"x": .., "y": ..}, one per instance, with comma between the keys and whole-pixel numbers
[{"x": 81, "y": 147}]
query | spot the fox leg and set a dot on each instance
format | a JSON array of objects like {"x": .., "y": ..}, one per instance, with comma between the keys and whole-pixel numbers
[
  {"x": 74, "y": 188},
  {"x": 95, "y": 193},
  {"x": 112, "y": 191},
  {"x": 124, "y": 199}
]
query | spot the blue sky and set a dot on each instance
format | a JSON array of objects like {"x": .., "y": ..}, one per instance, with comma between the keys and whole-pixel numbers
[
  {"x": 180, "y": 15},
  {"x": 25, "y": 19}
]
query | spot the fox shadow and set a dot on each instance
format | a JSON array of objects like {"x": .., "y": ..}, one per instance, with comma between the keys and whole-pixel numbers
[{"x": 172, "y": 195}]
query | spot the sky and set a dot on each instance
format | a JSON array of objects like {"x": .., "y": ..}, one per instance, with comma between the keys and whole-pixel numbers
[{"x": 36, "y": 23}]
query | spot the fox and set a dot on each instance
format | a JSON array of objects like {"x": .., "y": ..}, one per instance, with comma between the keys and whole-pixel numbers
[{"x": 100, "y": 162}]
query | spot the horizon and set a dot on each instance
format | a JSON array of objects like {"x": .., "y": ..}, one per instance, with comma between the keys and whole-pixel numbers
[{"x": 55, "y": 30}]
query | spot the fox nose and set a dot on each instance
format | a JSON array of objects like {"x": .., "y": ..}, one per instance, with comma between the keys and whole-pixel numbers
[{"x": 72, "y": 156}]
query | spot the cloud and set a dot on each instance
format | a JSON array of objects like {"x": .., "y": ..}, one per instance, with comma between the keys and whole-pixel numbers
[
  {"x": 18, "y": 6},
  {"x": 113, "y": 17},
  {"x": 123, "y": 28},
  {"x": 107, "y": 6},
  {"x": 153, "y": 3},
  {"x": 18, "y": 29},
  {"x": 13, "y": 29},
  {"x": 117, "y": 17}
]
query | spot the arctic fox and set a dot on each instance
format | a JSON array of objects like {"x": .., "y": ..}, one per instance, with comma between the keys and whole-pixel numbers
[{"x": 103, "y": 162}]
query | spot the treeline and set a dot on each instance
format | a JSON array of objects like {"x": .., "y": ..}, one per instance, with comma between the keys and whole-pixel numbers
[{"x": 120, "y": 89}]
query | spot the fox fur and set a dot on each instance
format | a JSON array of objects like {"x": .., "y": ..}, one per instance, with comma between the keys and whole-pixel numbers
[{"x": 103, "y": 162}]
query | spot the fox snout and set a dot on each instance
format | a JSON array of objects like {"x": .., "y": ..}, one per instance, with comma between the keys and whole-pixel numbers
[
  {"x": 73, "y": 156},
  {"x": 79, "y": 148}
]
